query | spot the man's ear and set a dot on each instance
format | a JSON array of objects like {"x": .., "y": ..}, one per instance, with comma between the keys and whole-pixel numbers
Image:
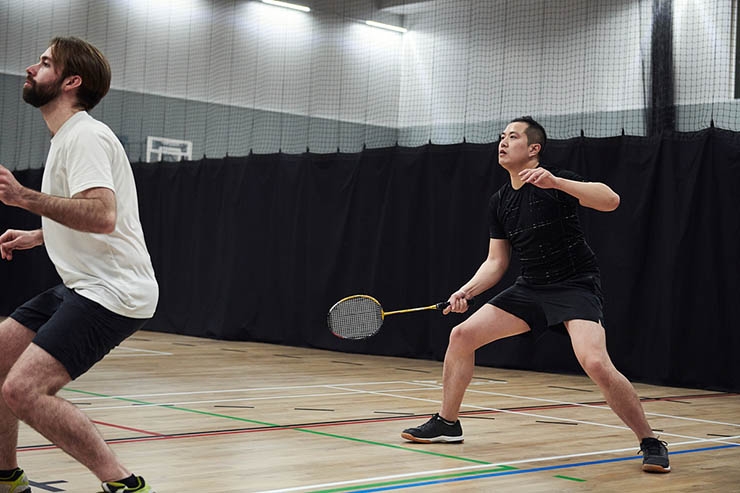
[
  {"x": 535, "y": 149},
  {"x": 71, "y": 82}
]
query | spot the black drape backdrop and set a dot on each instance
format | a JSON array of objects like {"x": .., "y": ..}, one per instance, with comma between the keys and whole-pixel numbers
[{"x": 258, "y": 248}]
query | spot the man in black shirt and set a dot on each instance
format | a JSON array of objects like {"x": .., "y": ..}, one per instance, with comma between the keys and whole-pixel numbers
[{"x": 536, "y": 217}]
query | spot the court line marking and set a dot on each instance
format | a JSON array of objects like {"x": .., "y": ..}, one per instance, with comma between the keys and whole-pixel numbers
[
  {"x": 172, "y": 406},
  {"x": 212, "y": 401},
  {"x": 149, "y": 352},
  {"x": 486, "y": 474},
  {"x": 606, "y": 406},
  {"x": 226, "y": 391},
  {"x": 603, "y": 407},
  {"x": 477, "y": 391},
  {"x": 349, "y": 391},
  {"x": 522, "y": 413},
  {"x": 127, "y": 428},
  {"x": 268, "y": 427},
  {"x": 429, "y": 385},
  {"x": 296, "y": 428},
  {"x": 481, "y": 474},
  {"x": 480, "y": 463}
]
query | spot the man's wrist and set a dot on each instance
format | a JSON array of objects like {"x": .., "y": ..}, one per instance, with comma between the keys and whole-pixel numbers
[{"x": 24, "y": 198}]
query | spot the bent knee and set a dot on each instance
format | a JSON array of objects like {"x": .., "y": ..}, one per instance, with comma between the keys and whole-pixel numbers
[
  {"x": 464, "y": 337},
  {"x": 16, "y": 394},
  {"x": 598, "y": 368}
]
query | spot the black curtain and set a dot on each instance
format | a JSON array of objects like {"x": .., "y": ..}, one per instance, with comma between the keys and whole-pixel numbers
[
  {"x": 258, "y": 248},
  {"x": 30, "y": 271}
]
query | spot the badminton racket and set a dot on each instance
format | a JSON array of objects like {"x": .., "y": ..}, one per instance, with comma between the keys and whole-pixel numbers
[{"x": 360, "y": 316}]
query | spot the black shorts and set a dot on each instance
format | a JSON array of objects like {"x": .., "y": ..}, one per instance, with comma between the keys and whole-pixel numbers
[
  {"x": 76, "y": 331},
  {"x": 549, "y": 305}
]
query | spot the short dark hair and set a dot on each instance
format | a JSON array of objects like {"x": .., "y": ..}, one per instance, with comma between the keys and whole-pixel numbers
[
  {"x": 535, "y": 132},
  {"x": 76, "y": 56}
]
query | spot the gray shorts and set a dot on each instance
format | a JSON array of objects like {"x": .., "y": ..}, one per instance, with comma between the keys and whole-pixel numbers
[
  {"x": 549, "y": 305},
  {"x": 76, "y": 331}
]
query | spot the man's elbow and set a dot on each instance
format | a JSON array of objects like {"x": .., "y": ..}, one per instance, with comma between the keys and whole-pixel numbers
[
  {"x": 603, "y": 204},
  {"x": 612, "y": 203},
  {"x": 106, "y": 225}
]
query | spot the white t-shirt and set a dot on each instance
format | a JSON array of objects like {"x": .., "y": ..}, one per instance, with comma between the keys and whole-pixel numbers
[{"x": 113, "y": 269}]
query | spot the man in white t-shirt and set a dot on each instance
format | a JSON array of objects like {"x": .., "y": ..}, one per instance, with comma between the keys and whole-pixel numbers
[{"x": 91, "y": 229}]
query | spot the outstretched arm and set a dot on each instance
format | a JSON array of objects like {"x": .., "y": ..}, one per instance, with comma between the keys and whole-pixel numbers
[
  {"x": 488, "y": 274},
  {"x": 595, "y": 195},
  {"x": 91, "y": 211}
]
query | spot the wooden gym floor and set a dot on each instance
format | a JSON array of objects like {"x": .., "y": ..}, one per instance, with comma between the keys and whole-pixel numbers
[{"x": 211, "y": 416}]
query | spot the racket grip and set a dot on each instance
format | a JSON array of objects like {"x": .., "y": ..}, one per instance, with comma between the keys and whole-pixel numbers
[{"x": 444, "y": 304}]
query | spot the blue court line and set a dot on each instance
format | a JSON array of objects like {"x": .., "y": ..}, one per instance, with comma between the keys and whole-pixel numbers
[{"x": 531, "y": 470}]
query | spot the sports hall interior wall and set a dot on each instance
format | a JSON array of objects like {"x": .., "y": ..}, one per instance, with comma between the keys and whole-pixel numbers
[
  {"x": 214, "y": 129},
  {"x": 259, "y": 247},
  {"x": 217, "y": 130},
  {"x": 238, "y": 75}
]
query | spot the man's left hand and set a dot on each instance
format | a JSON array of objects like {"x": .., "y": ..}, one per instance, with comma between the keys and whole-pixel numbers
[{"x": 538, "y": 177}]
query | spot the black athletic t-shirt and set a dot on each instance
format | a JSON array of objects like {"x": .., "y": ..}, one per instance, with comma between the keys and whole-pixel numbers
[{"x": 544, "y": 231}]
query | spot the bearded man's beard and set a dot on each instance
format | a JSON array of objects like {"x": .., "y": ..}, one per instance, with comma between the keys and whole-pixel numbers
[{"x": 38, "y": 95}]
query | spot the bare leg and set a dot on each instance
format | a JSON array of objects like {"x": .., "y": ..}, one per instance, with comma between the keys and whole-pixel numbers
[
  {"x": 14, "y": 338},
  {"x": 29, "y": 391},
  {"x": 486, "y": 325},
  {"x": 589, "y": 343}
]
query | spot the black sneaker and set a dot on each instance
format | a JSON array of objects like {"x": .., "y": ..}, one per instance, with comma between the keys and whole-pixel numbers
[
  {"x": 435, "y": 430},
  {"x": 654, "y": 455}
]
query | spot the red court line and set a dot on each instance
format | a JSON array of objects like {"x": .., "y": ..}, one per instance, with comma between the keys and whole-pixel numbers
[{"x": 121, "y": 427}]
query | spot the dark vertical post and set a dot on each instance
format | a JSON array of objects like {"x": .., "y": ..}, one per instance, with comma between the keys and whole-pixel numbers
[
  {"x": 737, "y": 56},
  {"x": 662, "y": 110}
]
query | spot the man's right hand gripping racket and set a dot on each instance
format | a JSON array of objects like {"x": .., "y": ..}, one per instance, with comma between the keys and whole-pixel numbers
[{"x": 361, "y": 316}]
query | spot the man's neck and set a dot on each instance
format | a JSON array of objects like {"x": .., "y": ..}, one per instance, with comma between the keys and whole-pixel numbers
[
  {"x": 516, "y": 182},
  {"x": 56, "y": 113}
]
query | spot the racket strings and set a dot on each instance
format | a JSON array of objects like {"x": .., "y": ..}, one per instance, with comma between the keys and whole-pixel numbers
[{"x": 355, "y": 318}]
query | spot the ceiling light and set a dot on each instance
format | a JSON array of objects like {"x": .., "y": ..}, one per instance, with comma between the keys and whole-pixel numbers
[
  {"x": 386, "y": 26},
  {"x": 287, "y": 5}
]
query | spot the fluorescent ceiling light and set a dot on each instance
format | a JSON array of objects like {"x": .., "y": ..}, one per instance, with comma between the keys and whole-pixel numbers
[
  {"x": 287, "y": 5},
  {"x": 386, "y": 26}
]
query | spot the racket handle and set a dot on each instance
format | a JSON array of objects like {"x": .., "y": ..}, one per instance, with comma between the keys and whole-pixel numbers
[{"x": 444, "y": 304}]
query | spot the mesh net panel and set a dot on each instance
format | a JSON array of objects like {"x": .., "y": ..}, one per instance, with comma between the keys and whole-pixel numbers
[
  {"x": 240, "y": 76},
  {"x": 355, "y": 318}
]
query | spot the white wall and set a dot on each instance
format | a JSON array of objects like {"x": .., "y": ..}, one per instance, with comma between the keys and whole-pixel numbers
[{"x": 241, "y": 53}]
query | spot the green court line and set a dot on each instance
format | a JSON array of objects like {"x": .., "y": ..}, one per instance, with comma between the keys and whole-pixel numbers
[
  {"x": 578, "y": 480},
  {"x": 272, "y": 425},
  {"x": 153, "y": 404}
]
